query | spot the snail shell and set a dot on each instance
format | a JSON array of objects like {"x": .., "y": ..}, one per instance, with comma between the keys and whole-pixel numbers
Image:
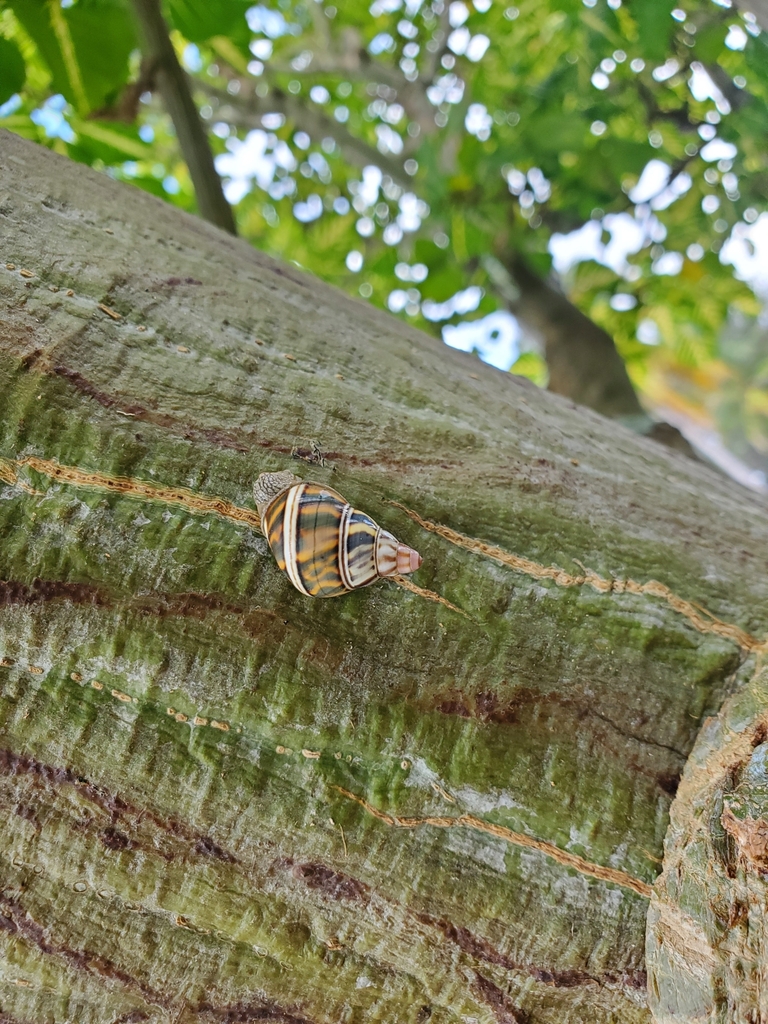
[{"x": 325, "y": 546}]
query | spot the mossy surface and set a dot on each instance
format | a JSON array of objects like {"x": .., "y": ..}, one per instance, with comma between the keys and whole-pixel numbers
[{"x": 178, "y": 724}]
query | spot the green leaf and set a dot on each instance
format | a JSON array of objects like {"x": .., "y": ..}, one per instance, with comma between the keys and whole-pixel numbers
[
  {"x": 532, "y": 366},
  {"x": 710, "y": 41},
  {"x": 12, "y": 69},
  {"x": 625, "y": 156},
  {"x": 108, "y": 142},
  {"x": 554, "y": 132},
  {"x": 443, "y": 285},
  {"x": 199, "y": 20},
  {"x": 86, "y": 47},
  {"x": 655, "y": 24}
]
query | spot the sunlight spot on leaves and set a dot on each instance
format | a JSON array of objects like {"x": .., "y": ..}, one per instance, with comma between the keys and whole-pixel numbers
[
  {"x": 354, "y": 261},
  {"x": 495, "y": 338},
  {"x": 736, "y": 38},
  {"x": 718, "y": 149},
  {"x": 648, "y": 332},
  {"x": 622, "y": 302},
  {"x": 462, "y": 302},
  {"x": 669, "y": 264}
]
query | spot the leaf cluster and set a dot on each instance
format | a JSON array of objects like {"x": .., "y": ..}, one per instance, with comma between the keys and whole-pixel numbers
[{"x": 497, "y": 130}]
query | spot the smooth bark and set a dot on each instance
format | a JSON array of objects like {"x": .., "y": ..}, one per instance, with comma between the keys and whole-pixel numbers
[{"x": 223, "y": 801}]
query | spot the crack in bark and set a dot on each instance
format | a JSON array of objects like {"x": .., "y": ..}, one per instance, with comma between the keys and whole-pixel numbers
[
  {"x": 638, "y": 739},
  {"x": 700, "y": 618},
  {"x": 489, "y": 708},
  {"x": 570, "y": 860}
]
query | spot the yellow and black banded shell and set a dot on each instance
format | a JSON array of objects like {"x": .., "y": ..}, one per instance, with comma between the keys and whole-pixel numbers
[{"x": 325, "y": 546}]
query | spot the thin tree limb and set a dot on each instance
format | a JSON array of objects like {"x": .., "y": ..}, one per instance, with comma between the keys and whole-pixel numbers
[
  {"x": 582, "y": 358},
  {"x": 353, "y": 61},
  {"x": 432, "y": 58},
  {"x": 172, "y": 83},
  {"x": 246, "y": 111},
  {"x": 757, "y": 7}
]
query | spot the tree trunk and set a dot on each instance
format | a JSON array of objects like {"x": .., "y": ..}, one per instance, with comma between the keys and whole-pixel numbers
[
  {"x": 581, "y": 357},
  {"x": 224, "y": 801}
]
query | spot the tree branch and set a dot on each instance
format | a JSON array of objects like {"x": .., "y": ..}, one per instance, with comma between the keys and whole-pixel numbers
[
  {"x": 582, "y": 358},
  {"x": 126, "y": 107},
  {"x": 757, "y": 7},
  {"x": 172, "y": 83},
  {"x": 440, "y": 37},
  {"x": 188, "y": 792},
  {"x": 353, "y": 61},
  {"x": 737, "y": 98},
  {"x": 246, "y": 111}
]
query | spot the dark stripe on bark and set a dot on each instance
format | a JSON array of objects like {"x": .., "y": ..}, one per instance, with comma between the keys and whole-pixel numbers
[
  {"x": 219, "y": 438},
  {"x": 191, "y": 604},
  {"x": 15, "y": 920},
  {"x": 331, "y": 883},
  {"x": 55, "y": 776},
  {"x": 338, "y": 886},
  {"x": 13, "y": 592},
  {"x": 502, "y": 1006},
  {"x": 481, "y": 949},
  {"x": 243, "y": 1013}
]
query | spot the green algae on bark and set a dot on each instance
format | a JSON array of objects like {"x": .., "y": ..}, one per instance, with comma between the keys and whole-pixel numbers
[{"x": 179, "y": 727}]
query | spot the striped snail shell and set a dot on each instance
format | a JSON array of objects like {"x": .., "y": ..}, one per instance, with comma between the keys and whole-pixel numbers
[{"x": 325, "y": 546}]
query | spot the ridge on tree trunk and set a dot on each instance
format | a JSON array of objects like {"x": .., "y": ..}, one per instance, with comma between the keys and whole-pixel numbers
[{"x": 224, "y": 801}]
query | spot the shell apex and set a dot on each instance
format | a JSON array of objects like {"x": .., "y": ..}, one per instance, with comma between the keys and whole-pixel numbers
[{"x": 269, "y": 485}]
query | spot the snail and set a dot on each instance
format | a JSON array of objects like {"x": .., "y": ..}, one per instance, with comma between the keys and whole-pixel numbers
[{"x": 325, "y": 546}]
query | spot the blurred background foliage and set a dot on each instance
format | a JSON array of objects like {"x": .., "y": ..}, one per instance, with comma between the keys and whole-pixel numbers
[{"x": 436, "y": 158}]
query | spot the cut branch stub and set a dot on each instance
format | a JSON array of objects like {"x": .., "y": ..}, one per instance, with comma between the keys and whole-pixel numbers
[{"x": 706, "y": 938}]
